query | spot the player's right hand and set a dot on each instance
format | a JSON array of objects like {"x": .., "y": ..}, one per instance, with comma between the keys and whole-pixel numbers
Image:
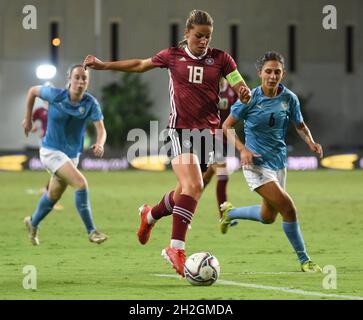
[
  {"x": 27, "y": 125},
  {"x": 93, "y": 63},
  {"x": 245, "y": 95},
  {"x": 247, "y": 157},
  {"x": 98, "y": 150}
]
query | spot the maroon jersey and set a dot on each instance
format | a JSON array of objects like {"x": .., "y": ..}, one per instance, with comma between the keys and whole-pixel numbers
[
  {"x": 227, "y": 99},
  {"x": 41, "y": 114},
  {"x": 194, "y": 85}
]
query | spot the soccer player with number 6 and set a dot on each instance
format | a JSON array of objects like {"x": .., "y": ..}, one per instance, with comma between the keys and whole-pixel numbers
[
  {"x": 264, "y": 156},
  {"x": 194, "y": 70}
]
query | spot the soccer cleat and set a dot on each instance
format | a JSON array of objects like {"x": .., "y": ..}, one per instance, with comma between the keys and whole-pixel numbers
[
  {"x": 33, "y": 232},
  {"x": 309, "y": 266},
  {"x": 225, "y": 220},
  {"x": 97, "y": 237},
  {"x": 176, "y": 257},
  {"x": 144, "y": 231}
]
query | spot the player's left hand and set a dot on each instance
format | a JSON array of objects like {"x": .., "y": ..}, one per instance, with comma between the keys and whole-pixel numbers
[
  {"x": 98, "y": 150},
  {"x": 245, "y": 95},
  {"x": 317, "y": 148}
]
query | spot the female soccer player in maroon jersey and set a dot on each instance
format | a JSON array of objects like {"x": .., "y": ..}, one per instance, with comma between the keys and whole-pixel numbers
[{"x": 194, "y": 70}]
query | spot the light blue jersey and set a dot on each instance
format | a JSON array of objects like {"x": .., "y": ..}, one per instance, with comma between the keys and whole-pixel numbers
[
  {"x": 265, "y": 124},
  {"x": 67, "y": 122}
]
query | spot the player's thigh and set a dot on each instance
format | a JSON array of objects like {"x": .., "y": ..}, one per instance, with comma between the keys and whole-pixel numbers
[
  {"x": 72, "y": 176},
  {"x": 278, "y": 198},
  {"x": 186, "y": 168}
]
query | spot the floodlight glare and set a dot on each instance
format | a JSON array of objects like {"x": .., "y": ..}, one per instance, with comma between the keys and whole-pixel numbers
[
  {"x": 56, "y": 42},
  {"x": 46, "y": 71}
]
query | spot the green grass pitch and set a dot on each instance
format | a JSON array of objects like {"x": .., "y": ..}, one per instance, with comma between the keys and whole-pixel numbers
[{"x": 257, "y": 261}]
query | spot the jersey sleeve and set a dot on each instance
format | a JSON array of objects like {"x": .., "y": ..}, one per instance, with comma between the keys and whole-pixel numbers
[
  {"x": 48, "y": 93},
  {"x": 229, "y": 65},
  {"x": 162, "y": 58},
  {"x": 238, "y": 110},
  {"x": 96, "y": 112},
  {"x": 295, "y": 111}
]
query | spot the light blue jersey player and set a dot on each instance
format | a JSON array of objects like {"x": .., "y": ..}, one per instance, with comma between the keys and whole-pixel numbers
[
  {"x": 265, "y": 124},
  {"x": 68, "y": 112},
  {"x": 67, "y": 121},
  {"x": 263, "y": 156}
]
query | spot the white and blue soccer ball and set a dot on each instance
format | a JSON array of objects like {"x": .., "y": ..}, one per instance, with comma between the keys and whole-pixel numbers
[{"x": 202, "y": 269}]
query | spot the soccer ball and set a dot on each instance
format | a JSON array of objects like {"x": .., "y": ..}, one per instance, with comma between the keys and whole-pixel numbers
[{"x": 202, "y": 269}]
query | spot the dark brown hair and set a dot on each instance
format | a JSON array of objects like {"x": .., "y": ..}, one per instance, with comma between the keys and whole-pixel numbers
[{"x": 269, "y": 56}]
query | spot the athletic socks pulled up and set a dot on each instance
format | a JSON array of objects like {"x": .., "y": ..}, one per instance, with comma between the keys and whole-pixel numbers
[
  {"x": 45, "y": 205},
  {"x": 183, "y": 211},
  {"x": 84, "y": 209},
  {"x": 293, "y": 233},
  {"x": 164, "y": 207},
  {"x": 247, "y": 213}
]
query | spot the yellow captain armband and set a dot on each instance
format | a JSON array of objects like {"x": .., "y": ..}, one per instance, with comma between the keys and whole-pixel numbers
[{"x": 234, "y": 77}]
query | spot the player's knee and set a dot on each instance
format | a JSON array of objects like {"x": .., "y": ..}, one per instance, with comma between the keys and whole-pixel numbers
[
  {"x": 80, "y": 183},
  {"x": 193, "y": 189},
  {"x": 222, "y": 172},
  {"x": 290, "y": 212},
  {"x": 269, "y": 220}
]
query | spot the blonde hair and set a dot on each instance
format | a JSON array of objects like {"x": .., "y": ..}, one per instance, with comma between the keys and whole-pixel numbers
[{"x": 196, "y": 17}]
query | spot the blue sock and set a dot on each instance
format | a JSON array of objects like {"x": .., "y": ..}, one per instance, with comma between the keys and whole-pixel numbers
[
  {"x": 247, "y": 213},
  {"x": 293, "y": 233},
  {"x": 45, "y": 206},
  {"x": 84, "y": 209}
]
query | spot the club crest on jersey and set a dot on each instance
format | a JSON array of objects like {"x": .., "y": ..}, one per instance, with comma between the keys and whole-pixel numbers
[
  {"x": 187, "y": 144},
  {"x": 209, "y": 61},
  {"x": 81, "y": 110},
  {"x": 284, "y": 105}
]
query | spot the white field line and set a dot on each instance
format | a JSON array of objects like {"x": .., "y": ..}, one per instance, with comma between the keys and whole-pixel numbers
[
  {"x": 272, "y": 288},
  {"x": 267, "y": 272}
]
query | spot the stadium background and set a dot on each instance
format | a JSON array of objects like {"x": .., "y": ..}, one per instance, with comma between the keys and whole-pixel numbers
[{"x": 323, "y": 65}]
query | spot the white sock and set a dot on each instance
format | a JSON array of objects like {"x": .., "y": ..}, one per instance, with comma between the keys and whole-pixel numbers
[
  {"x": 177, "y": 244},
  {"x": 150, "y": 218}
]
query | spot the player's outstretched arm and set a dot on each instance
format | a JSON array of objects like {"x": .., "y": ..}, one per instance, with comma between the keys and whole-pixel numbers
[
  {"x": 305, "y": 134},
  {"x": 27, "y": 122},
  {"x": 132, "y": 65},
  {"x": 98, "y": 148}
]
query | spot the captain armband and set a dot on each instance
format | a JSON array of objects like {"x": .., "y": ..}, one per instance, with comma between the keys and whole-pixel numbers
[{"x": 234, "y": 77}]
